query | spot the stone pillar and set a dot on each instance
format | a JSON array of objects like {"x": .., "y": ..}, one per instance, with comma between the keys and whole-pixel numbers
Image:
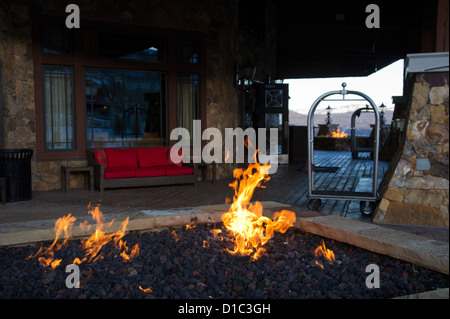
[{"x": 416, "y": 187}]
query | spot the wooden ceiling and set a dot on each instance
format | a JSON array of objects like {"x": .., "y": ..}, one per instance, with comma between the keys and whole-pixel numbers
[{"x": 331, "y": 39}]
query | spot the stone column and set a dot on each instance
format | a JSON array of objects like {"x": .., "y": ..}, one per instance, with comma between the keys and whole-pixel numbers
[{"x": 416, "y": 187}]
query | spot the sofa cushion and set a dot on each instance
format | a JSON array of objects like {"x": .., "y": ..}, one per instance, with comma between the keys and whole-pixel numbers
[
  {"x": 119, "y": 173},
  {"x": 100, "y": 157},
  {"x": 150, "y": 157},
  {"x": 173, "y": 170},
  {"x": 177, "y": 158},
  {"x": 121, "y": 158},
  {"x": 151, "y": 171}
]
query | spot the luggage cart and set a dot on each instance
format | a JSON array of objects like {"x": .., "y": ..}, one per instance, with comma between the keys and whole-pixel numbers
[
  {"x": 353, "y": 147},
  {"x": 367, "y": 199}
]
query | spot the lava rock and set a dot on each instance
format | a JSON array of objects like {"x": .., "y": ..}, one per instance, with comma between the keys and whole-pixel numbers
[{"x": 182, "y": 268}]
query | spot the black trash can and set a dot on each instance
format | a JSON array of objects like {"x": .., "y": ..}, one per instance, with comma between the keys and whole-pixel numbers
[{"x": 15, "y": 165}]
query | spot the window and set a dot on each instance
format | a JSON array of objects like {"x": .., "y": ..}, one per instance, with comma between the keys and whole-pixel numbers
[
  {"x": 59, "y": 111},
  {"x": 188, "y": 100},
  {"x": 56, "y": 40},
  {"x": 110, "y": 85},
  {"x": 124, "y": 108},
  {"x": 188, "y": 50},
  {"x": 124, "y": 45}
]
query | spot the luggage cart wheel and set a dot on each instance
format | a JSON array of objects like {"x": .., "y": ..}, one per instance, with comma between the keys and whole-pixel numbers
[
  {"x": 314, "y": 204},
  {"x": 366, "y": 208}
]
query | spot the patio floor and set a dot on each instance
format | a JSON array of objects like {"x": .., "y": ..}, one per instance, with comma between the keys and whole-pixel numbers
[{"x": 289, "y": 185}]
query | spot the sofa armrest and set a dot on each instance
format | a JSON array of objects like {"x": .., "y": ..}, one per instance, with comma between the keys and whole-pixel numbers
[
  {"x": 90, "y": 154},
  {"x": 99, "y": 169}
]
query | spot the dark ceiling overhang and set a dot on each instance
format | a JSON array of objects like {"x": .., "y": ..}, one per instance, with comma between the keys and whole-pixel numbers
[{"x": 331, "y": 39}]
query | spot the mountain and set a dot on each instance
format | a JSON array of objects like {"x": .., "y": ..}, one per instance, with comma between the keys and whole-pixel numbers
[{"x": 362, "y": 123}]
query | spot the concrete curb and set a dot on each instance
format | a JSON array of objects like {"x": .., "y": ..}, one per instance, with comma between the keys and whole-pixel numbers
[
  {"x": 434, "y": 294},
  {"x": 416, "y": 249}
]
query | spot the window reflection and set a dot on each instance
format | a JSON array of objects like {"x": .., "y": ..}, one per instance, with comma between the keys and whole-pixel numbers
[
  {"x": 124, "y": 108},
  {"x": 124, "y": 46}
]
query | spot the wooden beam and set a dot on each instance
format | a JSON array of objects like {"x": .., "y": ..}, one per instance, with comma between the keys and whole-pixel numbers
[{"x": 442, "y": 26}]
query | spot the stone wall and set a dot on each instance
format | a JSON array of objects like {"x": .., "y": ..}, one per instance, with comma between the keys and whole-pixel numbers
[
  {"x": 416, "y": 188},
  {"x": 17, "y": 75},
  {"x": 225, "y": 44}
]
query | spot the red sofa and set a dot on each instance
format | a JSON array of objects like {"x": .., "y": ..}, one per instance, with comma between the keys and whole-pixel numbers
[{"x": 133, "y": 167}]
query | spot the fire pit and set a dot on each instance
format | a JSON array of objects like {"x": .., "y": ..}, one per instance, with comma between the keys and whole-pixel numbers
[
  {"x": 194, "y": 263},
  {"x": 328, "y": 143},
  {"x": 249, "y": 255},
  {"x": 332, "y": 140}
]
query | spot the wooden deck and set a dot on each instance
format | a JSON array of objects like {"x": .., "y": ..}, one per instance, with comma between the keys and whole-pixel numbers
[
  {"x": 353, "y": 177},
  {"x": 288, "y": 185}
]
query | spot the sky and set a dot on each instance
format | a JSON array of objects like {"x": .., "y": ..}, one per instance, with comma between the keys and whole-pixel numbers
[{"x": 379, "y": 86}]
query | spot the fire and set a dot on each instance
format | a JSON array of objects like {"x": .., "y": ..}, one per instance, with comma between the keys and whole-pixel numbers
[
  {"x": 216, "y": 233},
  {"x": 191, "y": 225},
  {"x": 62, "y": 225},
  {"x": 244, "y": 220},
  {"x": 321, "y": 250},
  {"x": 175, "y": 235},
  {"x": 147, "y": 290},
  {"x": 103, "y": 236},
  {"x": 92, "y": 245},
  {"x": 338, "y": 134}
]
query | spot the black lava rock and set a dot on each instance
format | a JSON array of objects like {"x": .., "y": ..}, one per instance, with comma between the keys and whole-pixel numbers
[{"x": 185, "y": 266}]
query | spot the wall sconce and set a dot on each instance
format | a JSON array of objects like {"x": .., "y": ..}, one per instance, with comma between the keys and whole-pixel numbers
[
  {"x": 245, "y": 73},
  {"x": 382, "y": 110},
  {"x": 249, "y": 71},
  {"x": 328, "y": 120}
]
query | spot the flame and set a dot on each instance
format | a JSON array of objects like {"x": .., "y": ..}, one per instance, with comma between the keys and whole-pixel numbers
[
  {"x": 216, "y": 233},
  {"x": 175, "y": 235},
  {"x": 191, "y": 225},
  {"x": 321, "y": 250},
  {"x": 103, "y": 236},
  {"x": 91, "y": 245},
  {"x": 62, "y": 225},
  {"x": 133, "y": 254},
  {"x": 337, "y": 134},
  {"x": 49, "y": 261},
  {"x": 147, "y": 290},
  {"x": 135, "y": 251},
  {"x": 289, "y": 239},
  {"x": 250, "y": 230}
]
